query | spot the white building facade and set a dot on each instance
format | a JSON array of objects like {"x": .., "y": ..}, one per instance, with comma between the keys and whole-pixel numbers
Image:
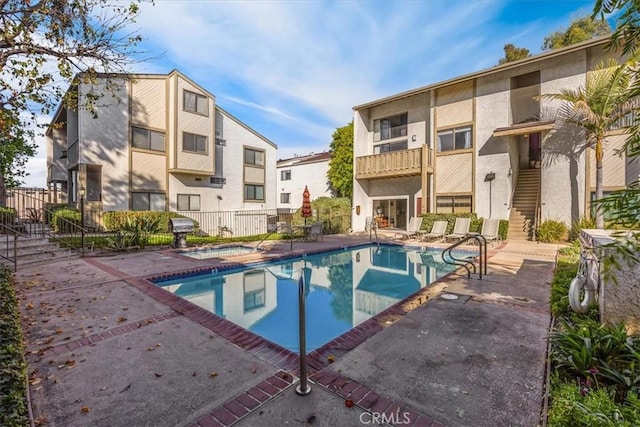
[{"x": 295, "y": 173}]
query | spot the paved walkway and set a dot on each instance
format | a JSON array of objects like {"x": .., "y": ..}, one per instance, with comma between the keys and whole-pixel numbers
[{"x": 107, "y": 348}]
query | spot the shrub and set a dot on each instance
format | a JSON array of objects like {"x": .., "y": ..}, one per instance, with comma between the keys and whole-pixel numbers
[
  {"x": 117, "y": 220},
  {"x": 580, "y": 224},
  {"x": 574, "y": 404},
  {"x": 13, "y": 368},
  {"x": 334, "y": 212},
  {"x": 7, "y": 216},
  {"x": 551, "y": 231},
  {"x": 566, "y": 269},
  {"x": 64, "y": 219},
  {"x": 429, "y": 218}
]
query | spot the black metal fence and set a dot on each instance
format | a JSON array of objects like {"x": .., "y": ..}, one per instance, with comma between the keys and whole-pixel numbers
[{"x": 31, "y": 211}]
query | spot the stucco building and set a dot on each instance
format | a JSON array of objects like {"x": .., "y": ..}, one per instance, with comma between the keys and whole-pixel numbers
[
  {"x": 299, "y": 171},
  {"x": 158, "y": 142},
  {"x": 486, "y": 143}
]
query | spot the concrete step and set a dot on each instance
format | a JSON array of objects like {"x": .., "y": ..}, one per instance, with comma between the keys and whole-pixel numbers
[{"x": 28, "y": 262}]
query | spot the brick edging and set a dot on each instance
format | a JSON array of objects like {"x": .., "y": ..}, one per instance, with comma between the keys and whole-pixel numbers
[
  {"x": 92, "y": 339},
  {"x": 247, "y": 402}
]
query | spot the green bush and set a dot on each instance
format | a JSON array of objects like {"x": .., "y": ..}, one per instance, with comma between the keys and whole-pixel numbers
[
  {"x": 13, "y": 368},
  {"x": 117, "y": 220},
  {"x": 580, "y": 224},
  {"x": 429, "y": 218},
  {"x": 333, "y": 212},
  {"x": 64, "y": 219},
  {"x": 566, "y": 269},
  {"x": 7, "y": 216},
  {"x": 574, "y": 404},
  {"x": 551, "y": 231}
]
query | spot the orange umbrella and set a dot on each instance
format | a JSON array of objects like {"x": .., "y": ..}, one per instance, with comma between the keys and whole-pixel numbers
[{"x": 306, "y": 212}]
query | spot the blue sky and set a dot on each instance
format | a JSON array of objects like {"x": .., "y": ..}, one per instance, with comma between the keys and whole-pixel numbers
[{"x": 293, "y": 70}]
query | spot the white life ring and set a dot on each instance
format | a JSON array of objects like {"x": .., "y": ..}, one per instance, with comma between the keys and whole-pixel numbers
[{"x": 580, "y": 302}]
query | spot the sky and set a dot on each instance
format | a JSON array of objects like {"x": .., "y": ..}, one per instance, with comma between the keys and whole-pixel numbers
[{"x": 293, "y": 70}]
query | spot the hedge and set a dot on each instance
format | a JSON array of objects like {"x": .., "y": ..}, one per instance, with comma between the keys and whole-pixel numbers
[
  {"x": 115, "y": 220},
  {"x": 63, "y": 218},
  {"x": 13, "y": 368},
  {"x": 474, "y": 227},
  {"x": 7, "y": 216}
]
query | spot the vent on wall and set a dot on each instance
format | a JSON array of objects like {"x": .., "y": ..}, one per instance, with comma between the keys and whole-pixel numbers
[
  {"x": 218, "y": 180},
  {"x": 220, "y": 141}
]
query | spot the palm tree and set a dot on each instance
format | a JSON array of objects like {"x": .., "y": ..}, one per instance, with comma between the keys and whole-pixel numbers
[{"x": 597, "y": 107}]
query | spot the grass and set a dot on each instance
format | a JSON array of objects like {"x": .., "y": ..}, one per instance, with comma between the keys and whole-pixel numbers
[{"x": 13, "y": 368}]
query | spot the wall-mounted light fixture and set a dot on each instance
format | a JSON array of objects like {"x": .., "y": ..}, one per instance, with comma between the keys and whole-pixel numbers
[{"x": 413, "y": 138}]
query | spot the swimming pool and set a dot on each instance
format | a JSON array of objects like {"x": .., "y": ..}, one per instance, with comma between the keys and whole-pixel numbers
[
  {"x": 346, "y": 288},
  {"x": 217, "y": 252}
]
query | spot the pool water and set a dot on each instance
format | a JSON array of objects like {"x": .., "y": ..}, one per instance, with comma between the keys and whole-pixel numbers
[
  {"x": 217, "y": 252},
  {"x": 346, "y": 288}
]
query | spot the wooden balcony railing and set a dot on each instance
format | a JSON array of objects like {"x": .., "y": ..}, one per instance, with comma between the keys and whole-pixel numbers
[{"x": 395, "y": 164}]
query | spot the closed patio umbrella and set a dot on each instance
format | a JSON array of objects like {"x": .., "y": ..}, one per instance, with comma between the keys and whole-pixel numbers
[{"x": 306, "y": 212}]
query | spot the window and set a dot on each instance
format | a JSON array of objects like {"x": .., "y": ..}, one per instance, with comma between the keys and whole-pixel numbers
[
  {"x": 195, "y": 103},
  {"x": 285, "y": 175},
  {"x": 453, "y": 204},
  {"x": 253, "y": 157},
  {"x": 454, "y": 139},
  {"x": 141, "y": 201},
  {"x": 188, "y": 202},
  {"x": 285, "y": 197},
  {"x": 254, "y": 290},
  {"x": 390, "y": 127},
  {"x": 147, "y": 139},
  {"x": 393, "y": 146},
  {"x": 194, "y": 143},
  {"x": 254, "y": 192}
]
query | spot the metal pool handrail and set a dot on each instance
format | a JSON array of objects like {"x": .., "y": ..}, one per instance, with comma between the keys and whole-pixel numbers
[
  {"x": 303, "y": 388},
  {"x": 482, "y": 243}
]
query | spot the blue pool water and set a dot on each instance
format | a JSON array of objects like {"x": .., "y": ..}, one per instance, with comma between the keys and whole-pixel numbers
[
  {"x": 347, "y": 288},
  {"x": 217, "y": 252}
]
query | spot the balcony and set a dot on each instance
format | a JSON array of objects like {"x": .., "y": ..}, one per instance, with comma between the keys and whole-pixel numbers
[{"x": 395, "y": 164}]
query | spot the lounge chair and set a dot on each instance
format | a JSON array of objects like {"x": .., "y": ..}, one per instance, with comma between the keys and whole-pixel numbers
[
  {"x": 490, "y": 229},
  {"x": 438, "y": 231},
  {"x": 460, "y": 229},
  {"x": 415, "y": 223}
]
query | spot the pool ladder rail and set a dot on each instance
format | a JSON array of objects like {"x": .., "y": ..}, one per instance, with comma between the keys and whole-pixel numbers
[{"x": 469, "y": 262}]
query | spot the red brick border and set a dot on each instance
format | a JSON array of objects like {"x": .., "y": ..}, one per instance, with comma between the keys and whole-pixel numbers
[
  {"x": 92, "y": 339},
  {"x": 368, "y": 400},
  {"x": 246, "y": 402}
]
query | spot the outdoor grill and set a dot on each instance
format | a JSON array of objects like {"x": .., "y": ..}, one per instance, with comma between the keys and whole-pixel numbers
[{"x": 180, "y": 227}]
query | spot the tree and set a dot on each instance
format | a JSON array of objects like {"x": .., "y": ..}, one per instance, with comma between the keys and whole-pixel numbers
[
  {"x": 581, "y": 29},
  {"x": 43, "y": 45},
  {"x": 622, "y": 206},
  {"x": 513, "y": 53},
  {"x": 597, "y": 108},
  {"x": 340, "y": 172}
]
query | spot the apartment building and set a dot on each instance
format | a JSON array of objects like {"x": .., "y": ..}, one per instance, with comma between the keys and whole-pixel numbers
[
  {"x": 486, "y": 143},
  {"x": 158, "y": 142},
  {"x": 299, "y": 171}
]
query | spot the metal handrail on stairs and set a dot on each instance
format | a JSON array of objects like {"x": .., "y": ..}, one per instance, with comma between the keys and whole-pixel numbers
[
  {"x": 6, "y": 230},
  {"x": 468, "y": 263}
]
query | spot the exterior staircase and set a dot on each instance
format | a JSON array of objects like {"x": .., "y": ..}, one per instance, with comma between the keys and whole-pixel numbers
[
  {"x": 523, "y": 209},
  {"x": 32, "y": 251}
]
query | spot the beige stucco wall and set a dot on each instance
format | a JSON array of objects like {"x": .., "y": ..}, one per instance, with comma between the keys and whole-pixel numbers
[
  {"x": 613, "y": 163},
  {"x": 149, "y": 102},
  {"x": 148, "y": 171}
]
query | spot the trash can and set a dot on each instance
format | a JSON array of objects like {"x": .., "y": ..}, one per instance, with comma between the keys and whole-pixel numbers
[{"x": 180, "y": 227}]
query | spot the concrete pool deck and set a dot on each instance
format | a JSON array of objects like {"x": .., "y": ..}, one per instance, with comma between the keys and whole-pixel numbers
[{"x": 106, "y": 349}]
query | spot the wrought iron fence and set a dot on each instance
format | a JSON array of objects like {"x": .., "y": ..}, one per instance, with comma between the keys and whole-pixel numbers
[{"x": 78, "y": 228}]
